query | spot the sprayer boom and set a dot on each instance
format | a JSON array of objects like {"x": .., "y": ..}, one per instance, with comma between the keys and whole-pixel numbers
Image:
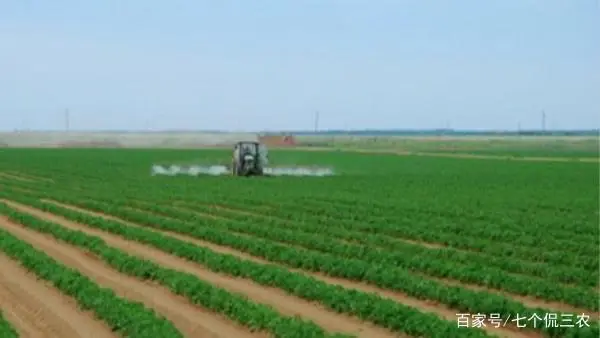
[{"x": 249, "y": 159}]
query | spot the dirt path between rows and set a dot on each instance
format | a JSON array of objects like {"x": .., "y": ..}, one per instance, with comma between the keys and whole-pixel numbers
[
  {"x": 440, "y": 310},
  {"x": 37, "y": 309},
  {"x": 30, "y": 177},
  {"x": 191, "y": 320},
  {"x": 277, "y": 298},
  {"x": 25, "y": 177},
  {"x": 14, "y": 177}
]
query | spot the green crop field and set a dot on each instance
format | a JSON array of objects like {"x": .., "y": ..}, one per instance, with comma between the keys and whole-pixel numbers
[
  {"x": 392, "y": 246},
  {"x": 586, "y": 148}
]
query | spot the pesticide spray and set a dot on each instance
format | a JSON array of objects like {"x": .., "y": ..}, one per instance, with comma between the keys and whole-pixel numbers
[
  {"x": 191, "y": 170},
  {"x": 253, "y": 150},
  {"x": 219, "y": 170}
]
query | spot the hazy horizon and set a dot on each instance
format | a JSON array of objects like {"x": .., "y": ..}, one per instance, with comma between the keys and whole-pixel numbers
[{"x": 237, "y": 65}]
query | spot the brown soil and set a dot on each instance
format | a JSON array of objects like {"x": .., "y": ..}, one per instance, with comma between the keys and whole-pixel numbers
[
  {"x": 36, "y": 309},
  {"x": 278, "y": 299},
  {"x": 425, "y": 244},
  {"x": 191, "y": 320},
  {"x": 441, "y": 310}
]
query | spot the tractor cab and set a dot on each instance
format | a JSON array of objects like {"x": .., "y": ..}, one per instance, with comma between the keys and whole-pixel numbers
[
  {"x": 249, "y": 159},
  {"x": 250, "y": 148}
]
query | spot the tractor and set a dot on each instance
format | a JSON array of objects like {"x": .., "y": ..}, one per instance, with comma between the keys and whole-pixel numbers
[{"x": 249, "y": 159}]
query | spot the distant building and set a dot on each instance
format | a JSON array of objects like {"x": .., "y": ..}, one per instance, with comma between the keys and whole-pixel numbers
[{"x": 282, "y": 140}]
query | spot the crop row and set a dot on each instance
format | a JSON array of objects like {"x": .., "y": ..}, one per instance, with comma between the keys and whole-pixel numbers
[
  {"x": 402, "y": 250},
  {"x": 396, "y": 279},
  {"x": 416, "y": 230},
  {"x": 186, "y": 197},
  {"x": 363, "y": 208},
  {"x": 6, "y": 328},
  {"x": 236, "y": 307},
  {"x": 291, "y": 215},
  {"x": 494, "y": 198},
  {"x": 128, "y": 318},
  {"x": 506, "y": 218},
  {"x": 399, "y": 224},
  {"x": 503, "y": 230},
  {"x": 370, "y": 307},
  {"x": 391, "y": 261},
  {"x": 560, "y": 274},
  {"x": 294, "y": 211}
]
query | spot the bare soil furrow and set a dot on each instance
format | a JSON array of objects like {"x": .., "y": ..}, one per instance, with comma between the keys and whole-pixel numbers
[
  {"x": 191, "y": 320},
  {"x": 30, "y": 177},
  {"x": 427, "y": 306},
  {"x": 278, "y": 299},
  {"x": 37, "y": 309},
  {"x": 15, "y": 177}
]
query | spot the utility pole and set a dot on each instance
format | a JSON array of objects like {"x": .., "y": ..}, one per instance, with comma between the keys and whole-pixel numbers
[
  {"x": 543, "y": 121},
  {"x": 316, "y": 121},
  {"x": 67, "y": 119}
]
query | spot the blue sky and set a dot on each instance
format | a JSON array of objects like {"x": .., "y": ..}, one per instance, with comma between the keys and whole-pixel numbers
[{"x": 245, "y": 65}]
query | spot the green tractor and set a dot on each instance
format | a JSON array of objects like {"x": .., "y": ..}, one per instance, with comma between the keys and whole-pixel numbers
[{"x": 249, "y": 159}]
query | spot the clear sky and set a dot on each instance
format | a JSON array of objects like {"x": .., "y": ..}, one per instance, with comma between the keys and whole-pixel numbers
[{"x": 270, "y": 64}]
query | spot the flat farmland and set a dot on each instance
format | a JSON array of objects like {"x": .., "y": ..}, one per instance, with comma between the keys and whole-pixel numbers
[
  {"x": 548, "y": 148},
  {"x": 92, "y": 245}
]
